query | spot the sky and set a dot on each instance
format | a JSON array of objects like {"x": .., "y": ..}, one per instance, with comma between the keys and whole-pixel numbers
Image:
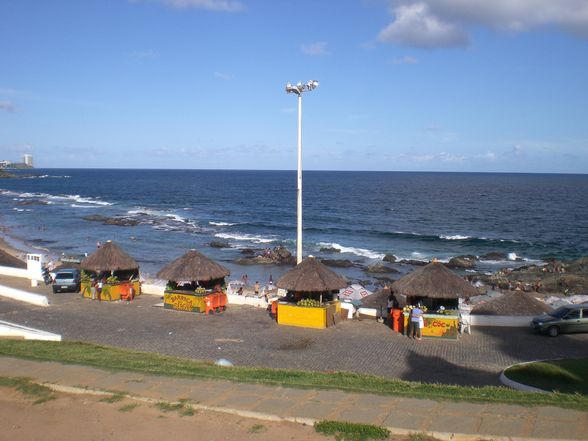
[{"x": 405, "y": 85}]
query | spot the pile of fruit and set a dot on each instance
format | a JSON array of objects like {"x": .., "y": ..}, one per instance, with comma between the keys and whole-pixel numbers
[{"x": 308, "y": 302}]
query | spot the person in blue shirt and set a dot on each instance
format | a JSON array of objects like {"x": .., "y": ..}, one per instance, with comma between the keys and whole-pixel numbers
[{"x": 415, "y": 319}]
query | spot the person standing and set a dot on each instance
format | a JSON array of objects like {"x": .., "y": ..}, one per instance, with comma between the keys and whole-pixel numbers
[
  {"x": 415, "y": 320},
  {"x": 256, "y": 288}
]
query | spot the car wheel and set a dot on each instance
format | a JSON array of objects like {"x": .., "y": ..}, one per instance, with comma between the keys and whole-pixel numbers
[
  {"x": 55, "y": 291},
  {"x": 553, "y": 331}
]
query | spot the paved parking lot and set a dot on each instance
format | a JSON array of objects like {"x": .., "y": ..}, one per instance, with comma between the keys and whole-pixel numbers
[{"x": 249, "y": 337}]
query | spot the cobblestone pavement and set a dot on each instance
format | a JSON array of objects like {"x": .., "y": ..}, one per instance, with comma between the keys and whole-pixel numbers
[{"x": 249, "y": 337}]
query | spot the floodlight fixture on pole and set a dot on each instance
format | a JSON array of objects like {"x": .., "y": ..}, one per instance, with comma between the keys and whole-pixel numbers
[{"x": 298, "y": 89}]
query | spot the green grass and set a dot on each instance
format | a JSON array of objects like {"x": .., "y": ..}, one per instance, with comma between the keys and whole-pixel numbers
[
  {"x": 128, "y": 407},
  {"x": 117, "y": 359},
  {"x": 114, "y": 398},
  {"x": 28, "y": 388},
  {"x": 564, "y": 376},
  {"x": 257, "y": 428},
  {"x": 343, "y": 431},
  {"x": 183, "y": 407}
]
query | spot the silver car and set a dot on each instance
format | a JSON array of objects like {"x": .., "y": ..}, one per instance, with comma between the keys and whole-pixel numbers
[
  {"x": 567, "y": 319},
  {"x": 67, "y": 279}
]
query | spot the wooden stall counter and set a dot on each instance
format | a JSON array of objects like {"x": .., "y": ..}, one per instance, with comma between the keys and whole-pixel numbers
[
  {"x": 206, "y": 302},
  {"x": 438, "y": 325},
  {"x": 111, "y": 291},
  {"x": 318, "y": 317}
]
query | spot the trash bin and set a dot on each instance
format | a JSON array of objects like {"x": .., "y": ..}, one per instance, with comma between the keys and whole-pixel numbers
[{"x": 397, "y": 320}]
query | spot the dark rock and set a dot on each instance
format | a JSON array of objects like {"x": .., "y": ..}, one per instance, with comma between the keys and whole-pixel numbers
[
  {"x": 413, "y": 262},
  {"x": 391, "y": 258},
  {"x": 278, "y": 256},
  {"x": 337, "y": 263},
  {"x": 248, "y": 251},
  {"x": 118, "y": 221},
  {"x": 5, "y": 174},
  {"x": 495, "y": 255},
  {"x": 379, "y": 268},
  {"x": 464, "y": 262},
  {"x": 219, "y": 244},
  {"x": 32, "y": 202},
  {"x": 329, "y": 250}
]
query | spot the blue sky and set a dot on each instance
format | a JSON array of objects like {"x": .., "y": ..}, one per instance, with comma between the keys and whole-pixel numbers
[{"x": 432, "y": 85}]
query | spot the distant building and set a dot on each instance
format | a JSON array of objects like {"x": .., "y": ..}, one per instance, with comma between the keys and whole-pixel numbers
[
  {"x": 27, "y": 160},
  {"x": 5, "y": 164}
]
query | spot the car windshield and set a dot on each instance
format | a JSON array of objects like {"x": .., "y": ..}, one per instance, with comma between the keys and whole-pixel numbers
[
  {"x": 560, "y": 312},
  {"x": 64, "y": 276}
]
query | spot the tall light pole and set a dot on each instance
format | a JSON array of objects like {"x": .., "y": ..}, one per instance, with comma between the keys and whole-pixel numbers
[{"x": 298, "y": 89}]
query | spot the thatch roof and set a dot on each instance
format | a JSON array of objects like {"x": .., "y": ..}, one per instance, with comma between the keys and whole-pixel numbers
[
  {"x": 310, "y": 275},
  {"x": 193, "y": 266},
  {"x": 515, "y": 303},
  {"x": 11, "y": 261},
  {"x": 109, "y": 257},
  {"x": 434, "y": 281}
]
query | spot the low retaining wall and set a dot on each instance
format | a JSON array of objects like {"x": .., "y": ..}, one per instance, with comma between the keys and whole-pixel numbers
[
  {"x": 12, "y": 330},
  {"x": 14, "y": 272},
  {"x": 235, "y": 299},
  {"x": 522, "y": 321},
  {"x": 23, "y": 296}
]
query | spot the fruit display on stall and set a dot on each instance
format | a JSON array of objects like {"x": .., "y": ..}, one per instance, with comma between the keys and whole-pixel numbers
[{"x": 311, "y": 303}]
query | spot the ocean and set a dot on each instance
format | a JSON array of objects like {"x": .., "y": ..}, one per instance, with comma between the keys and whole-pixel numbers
[{"x": 358, "y": 216}]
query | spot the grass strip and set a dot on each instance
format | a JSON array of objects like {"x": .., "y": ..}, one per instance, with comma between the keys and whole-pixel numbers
[
  {"x": 565, "y": 376},
  {"x": 351, "y": 431},
  {"x": 28, "y": 388},
  {"x": 117, "y": 359}
]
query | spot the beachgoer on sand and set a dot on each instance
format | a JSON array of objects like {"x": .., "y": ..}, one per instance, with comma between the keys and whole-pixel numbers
[{"x": 256, "y": 288}]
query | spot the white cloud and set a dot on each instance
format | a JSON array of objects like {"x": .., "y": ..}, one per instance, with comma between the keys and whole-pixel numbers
[
  {"x": 445, "y": 23},
  {"x": 407, "y": 59},
  {"x": 316, "y": 49},
  {"x": 414, "y": 25},
  {"x": 210, "y": 5},
  {"x": 224, "y": 76},
  {"x": 7, "y": 106}
]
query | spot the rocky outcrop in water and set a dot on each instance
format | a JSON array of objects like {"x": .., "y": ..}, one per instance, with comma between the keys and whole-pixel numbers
[
  {"x": 107, "y": 220},
  {"x": 462, "y": 262},
  {"x": 219, "y": 244},
  {"x": 277, "y": 256},
  {"x": 557, "y": 276},
  {"x": 390, "y": 258},
  {"x": 337, "y": 263}
]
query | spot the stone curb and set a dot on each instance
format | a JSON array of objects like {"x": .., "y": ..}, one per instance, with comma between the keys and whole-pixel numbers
[{"x": 520, "y": 386}]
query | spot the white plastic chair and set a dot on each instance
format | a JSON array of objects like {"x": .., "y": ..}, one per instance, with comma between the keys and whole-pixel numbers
[{"x": 465, "y": 323}]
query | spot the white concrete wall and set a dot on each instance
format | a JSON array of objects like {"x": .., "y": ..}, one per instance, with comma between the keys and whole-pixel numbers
[
  {"x": 14, "y": 272},
  {"x": 501, "y": 320},
  {"x": 23, "y": 296},
  {"x": 13, "y": 330}
]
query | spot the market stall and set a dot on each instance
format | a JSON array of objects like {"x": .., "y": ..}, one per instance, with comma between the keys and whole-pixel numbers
[
  {"x": 311, "y": 299},
  {"x": 438, "y": 290},
  {"x": 195, "y": 284},
  {"x": 110, "y": 274}
]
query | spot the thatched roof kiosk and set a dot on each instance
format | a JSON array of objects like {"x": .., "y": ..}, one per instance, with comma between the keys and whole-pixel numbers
[
  {"x": 109, "y": 258},
  {"x": 433, "y": 281},
  {"x": 515, "y": 303},
  {"x": 310, "y": 275},
  {"x": 193, "y": 266}
]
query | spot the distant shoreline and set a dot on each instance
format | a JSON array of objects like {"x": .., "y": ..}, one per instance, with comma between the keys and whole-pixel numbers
[{"x": 292, "y": 170}]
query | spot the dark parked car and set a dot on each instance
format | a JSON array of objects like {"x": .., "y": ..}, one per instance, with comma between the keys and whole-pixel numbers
[
  {"x": 67, "y": 280},
  {"x": 567, "y": 319}
]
